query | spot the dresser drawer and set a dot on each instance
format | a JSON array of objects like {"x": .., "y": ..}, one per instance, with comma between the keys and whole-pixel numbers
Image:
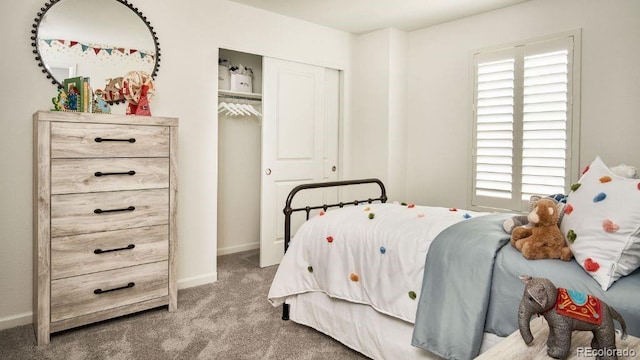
[
  {"x": 75, "y": 214},
  {"x": 86, "y": 140},
  {"x": 89, "y": 253},
  {"x": 81, "y": 295},
  {"x": 93, "y": 175}
]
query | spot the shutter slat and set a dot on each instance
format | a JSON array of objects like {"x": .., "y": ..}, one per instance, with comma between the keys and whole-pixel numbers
[
  {"x": 544, "y": 144},
  {"x": 545, "y": 116},
  {"x": 544, "y": 171},
  {"x": 494, "y": 160},
  {"x": 550, "y": 97},
  {"x": 499, "y": 92},
  {"x": 495, "y": 110},
  {"x": 546, "y": 88},
  {"x": 545, "y": 134},
  {"x": 534, "y": 189},
  {"x": 546, "y": 79},
  {"x": 501, "y": 135},
  {"x": 495, "y": 118},
  {"x": 494, "y": 168},
  {"x": 495, "y": 101},
  {"x": 493, "y": 193},
  {"x": 544, "y": 107},
  {"x": 493, "y": 185},
  {"x": 491, "y": 126}
]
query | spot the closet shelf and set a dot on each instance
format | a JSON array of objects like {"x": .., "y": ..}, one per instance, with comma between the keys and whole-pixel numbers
[{"x": 239, "y": 95}]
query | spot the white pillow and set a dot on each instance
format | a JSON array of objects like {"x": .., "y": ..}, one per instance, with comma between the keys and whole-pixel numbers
[{"x": 602, "y": 217}]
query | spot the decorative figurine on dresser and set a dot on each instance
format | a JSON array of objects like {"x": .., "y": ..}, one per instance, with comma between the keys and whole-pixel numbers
[{"x": 105, "y": 236}]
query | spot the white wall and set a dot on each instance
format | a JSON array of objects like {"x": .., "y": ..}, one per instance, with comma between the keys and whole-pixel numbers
[
  {"x": 186, "y": 87},
  {"x": 440, "y": 95},
  {"x": 379, "y": 109},
  {"x": 398, "y": 114}
]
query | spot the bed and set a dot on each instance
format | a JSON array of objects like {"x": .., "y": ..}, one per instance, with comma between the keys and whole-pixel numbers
[{"x": 404, "y": 281}]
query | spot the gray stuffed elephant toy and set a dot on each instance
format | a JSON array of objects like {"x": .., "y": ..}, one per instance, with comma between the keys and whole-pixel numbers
[{"x": 559, "y": 306}]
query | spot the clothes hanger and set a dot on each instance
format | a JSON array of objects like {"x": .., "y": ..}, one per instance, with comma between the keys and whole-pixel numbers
[
  {"x": 223, "y": 106},
  {"x": 242, "y": 109},
  {"x": 252, "y": 110}
]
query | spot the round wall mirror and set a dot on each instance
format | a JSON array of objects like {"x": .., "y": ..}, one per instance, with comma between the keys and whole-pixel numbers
[{"x": 98, "y": 39}]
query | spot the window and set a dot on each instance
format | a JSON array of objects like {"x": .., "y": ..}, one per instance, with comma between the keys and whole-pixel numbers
[{"x": 525, "y": 117}]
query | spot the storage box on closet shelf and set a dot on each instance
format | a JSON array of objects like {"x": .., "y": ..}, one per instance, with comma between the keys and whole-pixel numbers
[
  {"x": 241, "y": 79},
  {"x": 234, "y": 78}
]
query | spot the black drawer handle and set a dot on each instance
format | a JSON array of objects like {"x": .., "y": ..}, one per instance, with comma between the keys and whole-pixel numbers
[
  {"x": 100, "y": 173},
  {"x": 100, "y": 291},
  {"x": 99, "y": 139},
  {"x": 100, "y": 211},
  {"x": 100, "y": 251}
]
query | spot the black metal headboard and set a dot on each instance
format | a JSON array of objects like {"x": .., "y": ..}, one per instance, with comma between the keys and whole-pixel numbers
[{"x": 288, "y": 210}]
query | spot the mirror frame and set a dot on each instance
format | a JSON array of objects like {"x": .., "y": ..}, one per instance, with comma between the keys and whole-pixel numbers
[{"x": 48, "y": 5}]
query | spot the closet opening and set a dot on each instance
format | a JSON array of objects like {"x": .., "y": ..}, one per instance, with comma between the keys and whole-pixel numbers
[{"x": 239, "y": 151}]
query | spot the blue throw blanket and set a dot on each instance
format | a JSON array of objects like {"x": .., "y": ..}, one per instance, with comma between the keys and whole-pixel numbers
[{"x": 456, "y": 287}]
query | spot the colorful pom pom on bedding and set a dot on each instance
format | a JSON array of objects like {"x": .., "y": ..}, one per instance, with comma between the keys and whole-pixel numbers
[
  {"x": 410, "y": 206},
  {"x": 466, "y": 216},
  {"x": 568, "y": 209},
  {"x": 591, "y": 265},
  {"x": 372, "y": 215},
  {"x": 383, "y": 250},
  {"x": 322, "y": 212},
  {"x": 354, "y": 277},
  {"x": 421, "y": 215},
  {"x": 571, "y": 236},
  {"x": 575, "y": 186},
  {"x": 600, "y": 197},
  {"x": 453, "y": 209},
  {"x": 605, "y": 179},
  {"x": 329, "y": 239},
  {"x": 586, "y": 168},
  {"x": 609, "y": 226},
  {"x": 310, "y": 269},
  {"x": 367, "y": 208},
  {"x": 412, "y": 295}
]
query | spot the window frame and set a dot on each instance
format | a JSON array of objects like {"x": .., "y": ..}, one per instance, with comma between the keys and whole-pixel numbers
[{"x": 516, "y": 203}]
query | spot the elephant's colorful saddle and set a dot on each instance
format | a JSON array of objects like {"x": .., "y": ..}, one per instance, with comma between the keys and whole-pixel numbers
[{"x": 580, "y": 306}]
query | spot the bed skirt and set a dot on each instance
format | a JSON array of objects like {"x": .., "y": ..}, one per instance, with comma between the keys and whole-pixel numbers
[{"x": 361, "y": 328}]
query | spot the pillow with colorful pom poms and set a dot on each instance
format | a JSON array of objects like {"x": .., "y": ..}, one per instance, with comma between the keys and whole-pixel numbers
[{"x": 602, "y": 223}]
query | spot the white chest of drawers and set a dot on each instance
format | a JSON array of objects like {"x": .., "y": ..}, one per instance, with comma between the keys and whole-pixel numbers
[{"x": 105, "y": 236}]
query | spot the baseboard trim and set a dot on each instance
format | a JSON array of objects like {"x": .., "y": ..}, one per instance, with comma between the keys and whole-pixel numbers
[
  {"x": 197, "y": 280},
  {"x": 238, "y": 248},
  {"x": 12, "y": 321}
]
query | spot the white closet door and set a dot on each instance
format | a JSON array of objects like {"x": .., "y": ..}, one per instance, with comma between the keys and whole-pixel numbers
[{"x": 293, "y": 145}]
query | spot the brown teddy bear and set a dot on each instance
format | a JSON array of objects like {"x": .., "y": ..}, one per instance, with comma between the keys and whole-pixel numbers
[{"x": 542, "y": 239}]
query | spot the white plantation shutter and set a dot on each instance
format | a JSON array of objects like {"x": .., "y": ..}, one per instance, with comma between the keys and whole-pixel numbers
[
  {"x": 522, "y": 123},
  {"x": 494, "y": 128},
  {"x": 544, "y": 118}
]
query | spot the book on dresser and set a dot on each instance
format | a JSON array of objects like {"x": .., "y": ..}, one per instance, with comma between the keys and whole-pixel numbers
[{"x": 105, "y": 235}]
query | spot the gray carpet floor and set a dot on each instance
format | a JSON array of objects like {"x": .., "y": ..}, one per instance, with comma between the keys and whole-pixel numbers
[{"x": 229, "y": 319}]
